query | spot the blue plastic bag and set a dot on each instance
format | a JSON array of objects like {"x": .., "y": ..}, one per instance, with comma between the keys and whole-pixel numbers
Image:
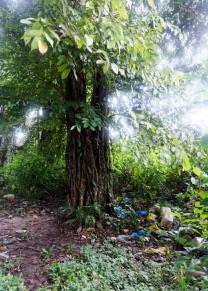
[
  {"x": 138, "y": 234},
  {"x": 119, "y": 211},
  {"x": 141, "y": 212}
]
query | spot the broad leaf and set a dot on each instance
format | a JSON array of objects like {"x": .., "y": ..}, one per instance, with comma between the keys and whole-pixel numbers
[
  {"x": 34, "y": 43},
  {"x": 114, "y": 67},
  {"x": 186, "y": 164},
  {"x": 63, "y": 67},
  {"x": 89, "y": 40},
  {"x": 204, "y": 202},
  {"x": 32, "y": 33},
  {"x": 25, "y": 21},
  {"x": 42, "y": 46},
  {"x": 151, "y": 4},
  {"x": 49, "y": 39},
  {"x": 197, "y": 171},
  {"x": 119, "y": 7},
  {"x": 65, "y": 74},
  {"x": 198, "y": 204},
  {"x": 80, "y": 42},
  {"x": 203, "y": 194},
  {"x": 106, "y": 67},
  {"x": 193, "y": 180}
]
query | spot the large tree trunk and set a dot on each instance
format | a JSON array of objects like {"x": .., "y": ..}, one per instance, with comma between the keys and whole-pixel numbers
[
  {"x": 87, "y": 152},
  {"x": 4, "y": 144}
]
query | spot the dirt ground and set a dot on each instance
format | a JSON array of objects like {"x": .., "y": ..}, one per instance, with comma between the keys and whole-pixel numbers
[{"x": 31, "y": 237}]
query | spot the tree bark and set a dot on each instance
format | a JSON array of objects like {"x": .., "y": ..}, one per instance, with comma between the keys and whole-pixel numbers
[
  {"x": 4, "y": 144},
  {"x": 87, "y": 152}
]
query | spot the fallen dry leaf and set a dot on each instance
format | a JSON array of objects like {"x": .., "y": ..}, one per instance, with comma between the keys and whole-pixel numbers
[
  {"x": 161, "y": 250},
  {"x": 75, "y": 254},
  {"x": 79, "y": 230},
  {"x": 20, "y": 231}
]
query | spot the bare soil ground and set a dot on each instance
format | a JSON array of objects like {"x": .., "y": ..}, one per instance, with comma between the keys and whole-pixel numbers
[{"x": 31, "y": 238}]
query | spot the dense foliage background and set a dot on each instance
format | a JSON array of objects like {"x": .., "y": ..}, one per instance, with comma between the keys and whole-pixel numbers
[{"x": 92, "y": 91}]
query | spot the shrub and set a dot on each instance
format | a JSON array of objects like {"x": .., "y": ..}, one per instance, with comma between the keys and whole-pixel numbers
[
  {"x": 32, "y": 175},
  {"x": 11, "y": 283}
]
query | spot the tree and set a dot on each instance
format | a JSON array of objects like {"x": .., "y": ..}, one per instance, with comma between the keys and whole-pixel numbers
[
  {"x": 25, "y": 78},
  {"x": 95, "y": 44},
  {"x": 89, "y": 49}
]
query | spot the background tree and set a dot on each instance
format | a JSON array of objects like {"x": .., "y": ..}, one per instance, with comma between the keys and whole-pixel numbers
[
  {"x": 89, "y": 49},
  {"x": 29, "y": 83},
  {"x": 95, "y": 43}
]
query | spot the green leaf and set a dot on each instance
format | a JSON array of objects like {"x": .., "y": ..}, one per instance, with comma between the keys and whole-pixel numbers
[
  {"x": 203, "y": 194},
  {"x": 49, "y": 39},
  {"x": 37, "y": 26},
  {"x": 32, "y": 33},
  {"x": 197, "y": 211},
  {"x": 186, "y": 164},
  {"x": 204, "y": 202},
  {"x": 34, "y": 43},
  {"x": 100, "y": 62},
  {"x": 204, "y": 215},
  {"x": 106, "y": 67},
  {"x": 27, "y": 40},
  {"x": 61, "y": 60},
  {"x": 122, "y": 72},
  {"x": 73, "y": 127},
  {"x": 54, "y": 34},
  {"x": 117, "y": 5},
  {"x": 151, "y": 4},
  {"x": 89, "y": 40},
  {"x": 122, "y": 12},
  {"x": 115, "y": 68},
  {"x": 178, "y": 215},
  {"x": 198, "y": 204},
  {"x": 25, "y": 21},
  {"x": 80, "y": 42},
  {"x": 190, "y": 220},
  {"x": 111, "y": 44},
  {"x": 197, "y": 171},
  {"x": 65, "y": 73},
  {"x": 63, "y": 67}
]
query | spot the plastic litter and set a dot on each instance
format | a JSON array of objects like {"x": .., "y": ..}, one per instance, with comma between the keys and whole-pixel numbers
[
  {"x": 141, "y": 212},
  {"x": 113, "y": 238},
  {"x": 119, "y": 211},
  {"x": 125, "y": 230},
  {"x": 155, "y": 209},
  {"x": 140, "y": 233},
  {"x": 153, "y": 227},
  {"x": 123, "y": 238},
  {"x": 167, "y": 217},
  {"x": 151, "y": 217},
  {"x": 198, "y": 240}
]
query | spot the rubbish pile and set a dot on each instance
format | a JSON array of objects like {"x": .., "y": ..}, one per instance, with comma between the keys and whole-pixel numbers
[{"x": 155, "y": 219}]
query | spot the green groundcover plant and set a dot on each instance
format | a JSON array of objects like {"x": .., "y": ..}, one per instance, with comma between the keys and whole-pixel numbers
[
  {"x": 110, "y": 268},
  {"x": 11, "y": 283}
]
